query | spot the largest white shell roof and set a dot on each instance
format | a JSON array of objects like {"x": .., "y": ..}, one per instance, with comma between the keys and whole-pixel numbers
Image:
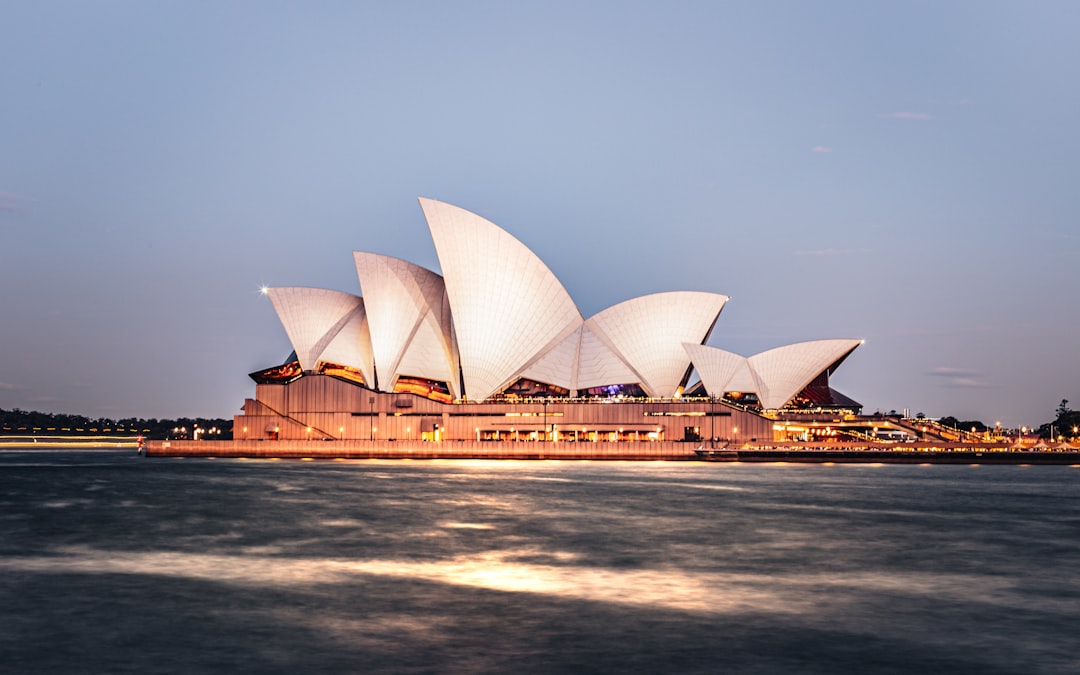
[
  {"x": 507, "y": 305},
  {"x": 498, "y": 314}
]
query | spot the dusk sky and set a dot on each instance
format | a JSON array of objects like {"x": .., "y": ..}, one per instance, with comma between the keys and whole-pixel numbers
[{"x": 906, "y": 173}]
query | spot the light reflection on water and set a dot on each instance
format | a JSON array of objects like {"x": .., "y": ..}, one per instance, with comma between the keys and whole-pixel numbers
[
  {"x": 534, "y": 566},
  {"x": 521, "y": 571}
]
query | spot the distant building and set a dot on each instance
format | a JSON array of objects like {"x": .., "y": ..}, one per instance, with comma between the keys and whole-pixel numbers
[{"x": 496, "y": 349}]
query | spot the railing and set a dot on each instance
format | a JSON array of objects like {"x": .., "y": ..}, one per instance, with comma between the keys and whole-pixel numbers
[{"x": 944, "y": 431}]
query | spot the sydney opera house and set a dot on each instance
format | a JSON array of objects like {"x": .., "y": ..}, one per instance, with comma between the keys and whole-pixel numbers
[{"x": 495, "y": 349}]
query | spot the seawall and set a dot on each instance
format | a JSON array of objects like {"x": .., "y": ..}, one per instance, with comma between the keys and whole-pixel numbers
[
  {"x": 417, "y": 450},
  {"x": 667, "y": 451}
]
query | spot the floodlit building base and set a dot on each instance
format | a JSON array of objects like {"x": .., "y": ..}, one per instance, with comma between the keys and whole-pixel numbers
[{"x": 324, "y": 408}]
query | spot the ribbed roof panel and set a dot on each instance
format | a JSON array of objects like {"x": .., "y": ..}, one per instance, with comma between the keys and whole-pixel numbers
[
  {"x": 716, "y": 367},
  {"x": 599, "y": 365},
  {"x": 649, "y": 331},
  {"x": 785, "y": 371},
  {"x": 312, "y": 317},
  {"x": 507, "y": 305},
  {"x": 409, "y": 316},
  {"x": 352, "y": 345},
  {"x": 742, "y": 380},
  {"x": 557, "y": 364}
]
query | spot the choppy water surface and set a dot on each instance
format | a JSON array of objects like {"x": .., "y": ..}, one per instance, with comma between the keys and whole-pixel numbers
[{"x": 115, "y": 563}]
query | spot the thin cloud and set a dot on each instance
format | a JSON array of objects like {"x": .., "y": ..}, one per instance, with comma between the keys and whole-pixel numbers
[
  {"x": 831, "y": 251},
  {"x": 958, "y": 378},
  {"x": 965, "y": 383},
  {"x": 821, "y": 148},
  {"x": 945, "y": 371},
  {"x": 9, "y": 201},
  {"x": 8, "y": 386},
  {"x": 922, "y": 117}
]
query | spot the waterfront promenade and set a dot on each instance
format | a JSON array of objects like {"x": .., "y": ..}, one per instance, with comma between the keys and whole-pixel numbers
[{"x": 967, "y": 453}]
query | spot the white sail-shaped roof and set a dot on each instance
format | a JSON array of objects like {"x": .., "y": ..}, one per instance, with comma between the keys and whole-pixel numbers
[
  {"x": 557, "y": 364},
  {"x": 351, "y": 346},
  {"x": 313, "y": 317},
  {"x": 717, "y": 368},
  {"x": 599, "y": 365},
  {"x": 507, "y": 305},
  {"x": 409, "y": 316},
  {"x": 742, "y": 381},
  {"x": 498, "y": 314},
  {"x": 649, "y": 331},
  {"x": 783, "y": 372}
]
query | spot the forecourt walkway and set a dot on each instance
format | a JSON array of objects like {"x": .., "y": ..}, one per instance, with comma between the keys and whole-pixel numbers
[{"x": 670, "y": 451}]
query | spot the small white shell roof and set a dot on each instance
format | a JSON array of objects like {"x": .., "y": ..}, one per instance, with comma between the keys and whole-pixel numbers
[
  {"x": 598, "y": 365},
  {"x": 409, "y": 317},
  {"x": 717, "y": 368},
  {"x": 351, "y": 347},
  {"x": 313, "y": 318},
  {"x": 743, "y": 380},
  {"x": 557, "y": 364},
  {"x": 581, "y": 361},
  {"x": 785, "y": 371},
  {"x": 507, "y": 305},
  {"x": 775, "y": 375},
  {"x": 649, "y": 331}
]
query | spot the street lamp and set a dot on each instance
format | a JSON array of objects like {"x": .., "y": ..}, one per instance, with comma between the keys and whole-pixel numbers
[
  {"x": 371, "y": 418},
  {"x": 712, "y": 423},
  {"x": 546, "y": 399}
]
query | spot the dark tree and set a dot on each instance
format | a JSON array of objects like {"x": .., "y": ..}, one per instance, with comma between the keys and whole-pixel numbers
[{"x": 1065, "y": 421}]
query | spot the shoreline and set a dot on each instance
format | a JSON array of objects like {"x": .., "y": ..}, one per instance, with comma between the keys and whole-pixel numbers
[{"x": 664, "y": 451}]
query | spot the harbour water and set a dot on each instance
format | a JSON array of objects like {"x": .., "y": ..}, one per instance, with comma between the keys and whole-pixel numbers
[{"x": 110, "y": 562}]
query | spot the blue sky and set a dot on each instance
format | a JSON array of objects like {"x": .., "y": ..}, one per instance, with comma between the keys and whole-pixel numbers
[{"x": 903, "y": 173}]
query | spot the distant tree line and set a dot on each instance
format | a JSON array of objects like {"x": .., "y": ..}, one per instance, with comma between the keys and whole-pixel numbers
[
  {"x": 963, "y": 425},
  {"x": 1066, "y": 422},
  {"x": 29, "y": 422}
]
